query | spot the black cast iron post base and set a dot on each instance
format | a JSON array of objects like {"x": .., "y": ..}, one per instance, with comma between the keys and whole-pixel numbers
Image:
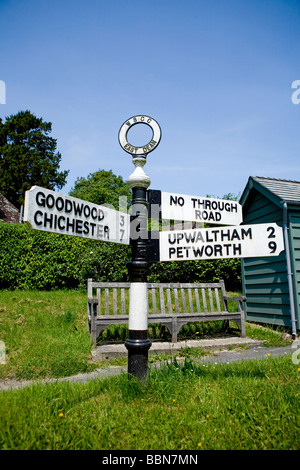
[{"x": 138, "y": 346}]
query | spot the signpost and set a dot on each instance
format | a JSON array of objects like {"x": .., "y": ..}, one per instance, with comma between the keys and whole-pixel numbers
[
  {"x": 54, "y": 212},
  {"x": 244, "y": 241},
  {"x": 138, "y": 343}
]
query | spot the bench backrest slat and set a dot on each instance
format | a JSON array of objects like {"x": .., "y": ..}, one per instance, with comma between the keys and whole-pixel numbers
[
  {"x": 204, "y": 299},
  {"x": 169, "y": 300},
  {"x": 161, "y": 300},
  {"x": 197, "y": 300},
  {"x": 176, "y": 301},
  {"x": 217, "y": 299},
  {"x": 99, "y": 301},
  {"x": 210, "y": 299},
  {"x": 123, "y": 300},
  {"x": 115, "y": 300},
  {"x": 106, "y": 301},
  {"x": 183, "y": 300},
  {"x": 153, "y": 292},
  {"x": 190, "y": 300}
]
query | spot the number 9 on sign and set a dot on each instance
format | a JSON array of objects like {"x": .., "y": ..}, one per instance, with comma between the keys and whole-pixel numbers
[{"x": 272, "y": 246}]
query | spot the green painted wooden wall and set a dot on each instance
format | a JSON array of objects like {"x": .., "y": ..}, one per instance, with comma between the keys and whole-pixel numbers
[
  {"x": 294, "y": 240},
  {"x": 265, "y": 282}
]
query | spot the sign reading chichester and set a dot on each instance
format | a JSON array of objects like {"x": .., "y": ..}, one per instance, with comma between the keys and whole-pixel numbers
[
  {"x": 200, "y": 209},
  {"x": 54, "y": 212},
  {"x": 244, "y": 241}
]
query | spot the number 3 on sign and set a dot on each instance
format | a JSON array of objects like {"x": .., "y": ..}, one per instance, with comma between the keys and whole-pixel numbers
[{"x": 272, "y": 245}]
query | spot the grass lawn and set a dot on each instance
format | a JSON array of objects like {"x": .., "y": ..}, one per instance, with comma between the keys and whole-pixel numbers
[
  {"x": 45, "y": 333},
  {"x": 250, "y": 405}
]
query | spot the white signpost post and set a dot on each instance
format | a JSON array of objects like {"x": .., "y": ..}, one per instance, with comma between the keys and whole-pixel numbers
[
  {"x": 54, "y": 212},
  {"x": 243, "y": 241}
]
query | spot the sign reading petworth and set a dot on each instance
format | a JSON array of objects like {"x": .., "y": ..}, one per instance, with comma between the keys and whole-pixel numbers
[
  {"x": 54, "y": 212},
  {"x": 244, "y": 241},
  {"x": 200, "y": 209}
]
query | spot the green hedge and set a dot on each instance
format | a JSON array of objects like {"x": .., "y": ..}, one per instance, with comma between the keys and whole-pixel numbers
[{"x": 31, "y": 259}]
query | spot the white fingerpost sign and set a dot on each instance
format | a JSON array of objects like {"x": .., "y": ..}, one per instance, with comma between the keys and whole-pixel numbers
[
  {"x": 200, "y": 209},
  {"x": 244, "y": 241},
  {"x": 54, "y": 212}
]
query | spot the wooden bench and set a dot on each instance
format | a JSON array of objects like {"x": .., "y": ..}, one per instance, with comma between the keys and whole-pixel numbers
[{"x": 170, "y": 304}]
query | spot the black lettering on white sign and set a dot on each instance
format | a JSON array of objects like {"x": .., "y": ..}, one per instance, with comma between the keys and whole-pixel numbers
[{"x": 50, "y": 211}]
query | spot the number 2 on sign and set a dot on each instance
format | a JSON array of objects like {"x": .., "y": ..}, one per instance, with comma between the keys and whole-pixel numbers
[{"x": 272, "y": 245}]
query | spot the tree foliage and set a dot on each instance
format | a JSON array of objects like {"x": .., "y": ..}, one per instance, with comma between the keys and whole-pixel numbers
[
  {"x": 101, "y": 187},
  {"x": 28, "y": 156}
]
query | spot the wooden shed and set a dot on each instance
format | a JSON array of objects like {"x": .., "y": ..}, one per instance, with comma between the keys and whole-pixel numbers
[{"x": 272, "y": 284}]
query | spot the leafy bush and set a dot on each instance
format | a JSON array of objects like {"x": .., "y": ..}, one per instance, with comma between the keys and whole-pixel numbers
[{"x": 31, "y": 259}]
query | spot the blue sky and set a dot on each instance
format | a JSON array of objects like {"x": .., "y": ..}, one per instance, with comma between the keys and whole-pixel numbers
[{"x": 217, "y": 75}]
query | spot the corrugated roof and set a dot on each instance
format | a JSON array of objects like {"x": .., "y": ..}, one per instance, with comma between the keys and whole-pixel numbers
[{"x": 286, "y": 190}]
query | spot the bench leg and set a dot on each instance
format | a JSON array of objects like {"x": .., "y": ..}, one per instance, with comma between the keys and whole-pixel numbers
[
  {"x": 175, "y": 327},
  {"x": 174, "y": 337},
  {"x": 243, "y": 326}
]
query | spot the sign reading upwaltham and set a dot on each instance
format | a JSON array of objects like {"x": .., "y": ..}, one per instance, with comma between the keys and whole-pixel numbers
[
  {"x": 244, "y": 241},
  {"x": 200, "y": 209},
  {"x": 54, "y": 212}
]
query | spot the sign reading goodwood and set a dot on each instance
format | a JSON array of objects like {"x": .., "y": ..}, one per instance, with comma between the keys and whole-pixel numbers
[{"x": 54, "y": 212}]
